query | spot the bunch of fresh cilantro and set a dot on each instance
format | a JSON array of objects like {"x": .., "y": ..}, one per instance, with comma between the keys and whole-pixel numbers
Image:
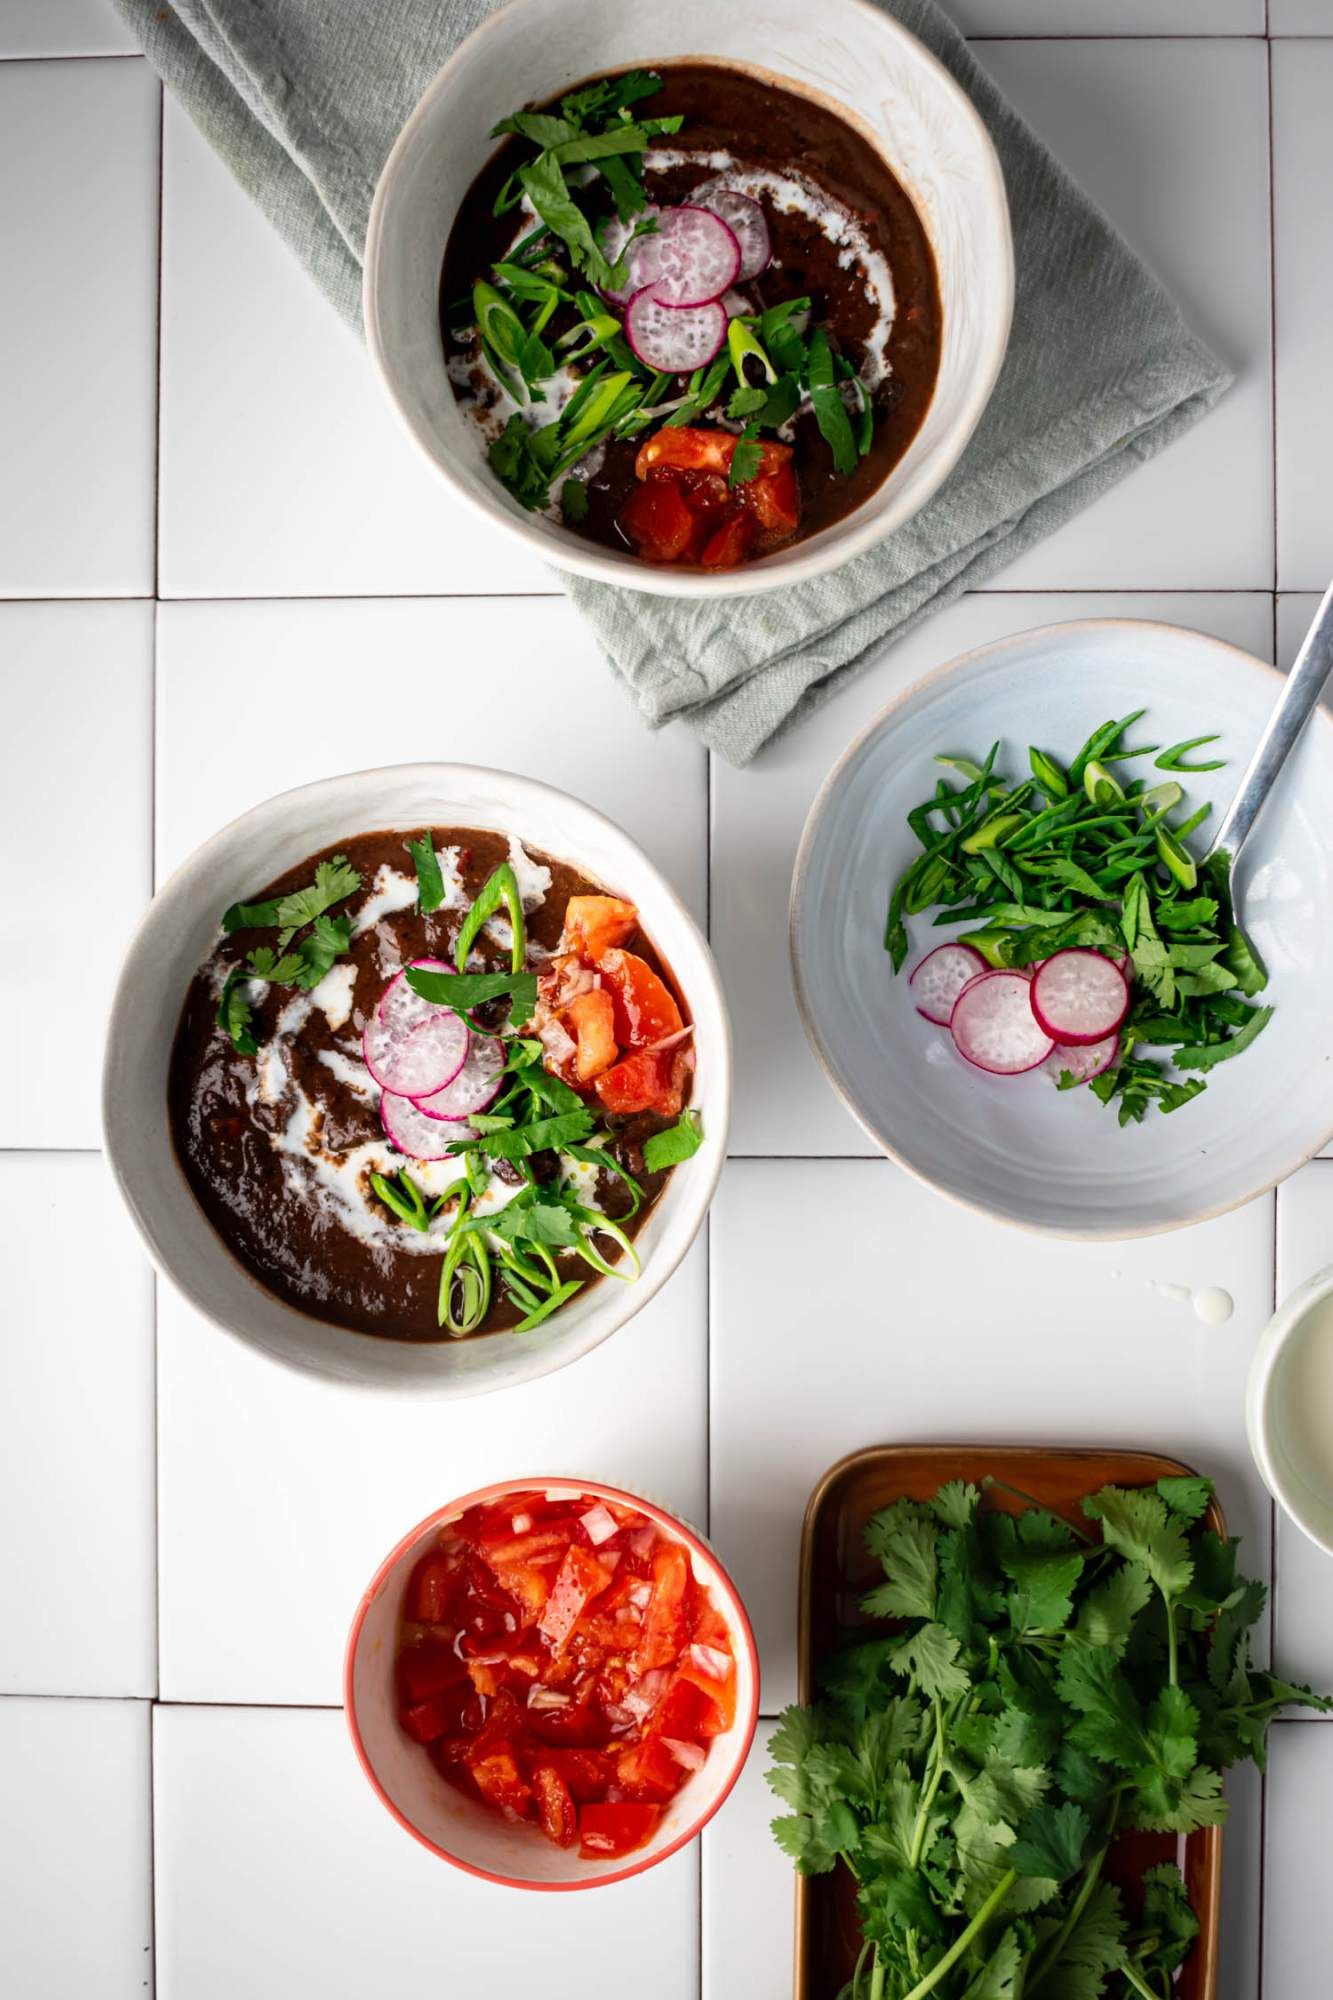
[{"x": 1042, "y": 1689}]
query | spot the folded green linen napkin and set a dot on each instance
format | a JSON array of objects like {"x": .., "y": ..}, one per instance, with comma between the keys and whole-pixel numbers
[{"x": 304, "y": 98}]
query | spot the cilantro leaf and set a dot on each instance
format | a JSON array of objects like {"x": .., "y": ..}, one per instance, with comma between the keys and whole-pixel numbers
[
  {"x": 1107, "y": 1614},
  {"x": 250, "y": 916},
  {"x": 430, "y": 882},
  {"x": 745, "y": 461},
  {"x": 1139, "y": 1526},
  {"x": 929, "y": 1656},
  {"x": 574, "y": 501},
  {"x": 1188, "y": 1497},
  {"x": 334, "y": 880},
  {"x": 1052, "y": 1842},
  {"x": 903, "y": 1537},
  {"x": 678, "y": 1142},
  {"x": 235, "y": 1015}
]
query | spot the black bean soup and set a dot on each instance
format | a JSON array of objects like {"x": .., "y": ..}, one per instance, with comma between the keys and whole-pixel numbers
[
  {"x": 279, "y": 1137},
  {"x": 842, "y": 234}
]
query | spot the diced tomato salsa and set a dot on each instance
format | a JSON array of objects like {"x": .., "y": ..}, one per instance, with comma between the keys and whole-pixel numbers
[
  {"x": 686, "y": 509},
  {"x": 610, "y": 1025},
  {"x": 560, "y": 1661}
]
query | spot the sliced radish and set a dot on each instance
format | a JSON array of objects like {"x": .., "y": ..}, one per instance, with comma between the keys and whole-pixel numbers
[
  {"x": 941, "y": 977},
  {"x": 427, "y": 1058},
  {"x": 400, "y": 1007},
  {"x": 993, "y": 1026},
  {"x": 673, "y": 339},
  {"x": 690, "y": 258},
  {"x": 421, "y": 1138},
  {"x": 1083, "y": 1060},
  {"x": 745, "y": 219},
  {"x": 1079, "y": 996},
  {"x": 474, "y": 1086}
]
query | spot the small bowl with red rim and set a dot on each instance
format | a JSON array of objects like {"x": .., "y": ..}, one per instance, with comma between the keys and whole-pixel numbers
[{"x": 552, "y": 1683}]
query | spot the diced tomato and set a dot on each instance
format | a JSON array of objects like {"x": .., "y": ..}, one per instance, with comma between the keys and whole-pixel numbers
[
  {"x": 720, "y": 1695},
  {"x": 443, "y": 1715},
  {"x": 707, "y": 494},
  {"x": 526, "y": 1584},
  {"x": 581, "y": 1577},
  {"x": 555, "y": 1808},
  {"x": 593, "y": 924},
  {"x": 617, "y": 1828},
  {"x": 664, "y": 1628},
  {"x": 680, "y": 1712},
  {"x": 581, "y": 1725},
  {"x": 657, "y": 521},
  {"x": 648, "y": 1770},
  {"x": 427, "y": 1668},
  {"x": 731, "y": 543},
  {"x": 709, "y": 1627},
  {"x": 685, "y": 446},
  {"x": 587, "y": 1773},
  {"x": 496, "y": 1775},
  {"x": 591, "y": 1020},
  {"x": 645, "y": 1010},
  {"x": 641, "y": 1082},
  {"x": 773, "y": 499},
  {"x": 430, "y": 1593}
]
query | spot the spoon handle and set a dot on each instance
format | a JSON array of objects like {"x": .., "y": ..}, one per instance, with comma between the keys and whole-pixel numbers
[{"x": 1305, "y": 684}]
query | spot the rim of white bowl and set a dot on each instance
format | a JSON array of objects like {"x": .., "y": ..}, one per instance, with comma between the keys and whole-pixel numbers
[
  {"x": 1321, "y": 719},
  {"x": 676, "y": 1526},
  {"x": 1273, "y": 1342},
  {"x": 157, "y": 1240},
  {"x": 853, "y": 537}
]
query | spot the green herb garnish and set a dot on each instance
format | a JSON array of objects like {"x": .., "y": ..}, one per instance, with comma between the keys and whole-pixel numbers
[
  {"x": 500, "y": 887},
  {"x": 680, "y": 1141},
  {"x": 430, "y": 881},
  {"x": 1043, "y": 1690},
  {"x": 465, "y": 990},
  {"x": 235, "y": 1016},
  {"x": 1090, "y": 856},
  {"x": 400, "y": 1193}
]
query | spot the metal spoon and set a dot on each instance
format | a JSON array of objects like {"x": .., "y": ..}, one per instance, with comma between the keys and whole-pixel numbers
[{"x": 1296, "y": 703}]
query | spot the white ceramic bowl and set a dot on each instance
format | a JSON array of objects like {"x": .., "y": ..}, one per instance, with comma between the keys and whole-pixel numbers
[
  {"x": 846, "y": 52},
  {"x": 462, "y": 1830},
  {"x": 177, "y": 934},
  {"x": 1015, "y": 1147},
  {"x": 1280, "y": 1409}
]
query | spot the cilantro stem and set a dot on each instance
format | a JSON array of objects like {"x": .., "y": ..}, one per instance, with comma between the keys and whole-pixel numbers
[
  {"x": 1072, "y": 1917},
  {"x": 877, "y": 1977},
  {"x": 1172, "y": 1644},
  {"x": 928, "y": 1794},
  {"x": 964, "y": 1939},
  {"x": 1127, "y": 1972}
]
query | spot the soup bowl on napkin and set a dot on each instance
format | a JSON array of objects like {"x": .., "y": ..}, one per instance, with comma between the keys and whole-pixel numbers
[{"x": 849, "y": 56}]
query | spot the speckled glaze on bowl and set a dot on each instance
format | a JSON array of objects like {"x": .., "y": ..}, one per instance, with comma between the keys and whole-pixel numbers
[
  {"x": 460, "y": 1829},
  {"x": 175, "y": 937},
  {"x": 846, "y": 52},
  {"x": 1014, "y": 1147}
]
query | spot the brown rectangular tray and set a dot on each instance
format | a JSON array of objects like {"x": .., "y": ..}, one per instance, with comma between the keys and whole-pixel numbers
[{"x": 836, "y": 1569}]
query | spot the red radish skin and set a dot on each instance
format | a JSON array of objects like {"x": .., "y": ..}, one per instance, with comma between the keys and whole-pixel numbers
[
  {"x": 1079, "y": 996},
  {"x": 674, "y": 339},
  {"x": 941, "y": 977},
  {"x": 1084, "y": 1061},
  {"x": 472, "y": 1089},
  {"x": 419, "y": 1137},
  {"x": 993, "y": 1027},
  {"x": 745, "y": 219},
  {"x": 691, "y": 258}
]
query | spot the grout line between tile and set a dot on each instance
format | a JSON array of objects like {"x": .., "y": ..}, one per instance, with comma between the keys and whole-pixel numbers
[
  {"x": 1272, "y": 309},
  {"x": 157, "y": 350},
  {"x": 151, "y": 1946},
  {"x": 104, "y": 55}
]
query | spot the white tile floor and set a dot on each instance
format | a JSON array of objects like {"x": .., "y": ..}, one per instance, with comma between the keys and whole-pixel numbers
[{"x": 215, "y": 542}]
